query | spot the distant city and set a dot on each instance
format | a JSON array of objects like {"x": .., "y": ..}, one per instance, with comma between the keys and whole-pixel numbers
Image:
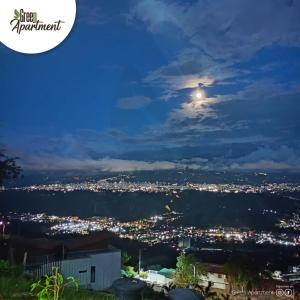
[
  {"x": 163, "y": 229},
  {"x": 122, "y": 184},
  {"x": 210, "y": 217}
]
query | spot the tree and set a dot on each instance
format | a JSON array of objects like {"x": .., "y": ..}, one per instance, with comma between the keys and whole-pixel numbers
[
  {"x": 127, "y": 270},
  {"x": 126, "y": 258},
  {"x": 189, "y": 271},
  {"x": 8, "y": 168},
  {"x": 242, "y": 272}
]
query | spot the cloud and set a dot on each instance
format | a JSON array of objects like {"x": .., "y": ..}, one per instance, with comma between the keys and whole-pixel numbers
[
  {"x": 91, "y": 14},
  {"x": 250, "y": 117},
  {"x": 194, "y": 109},
  {"x": 55, "y": 163},
  {"x": 244, "y": 139},
  {"x": 283, "y": 153},
  {"x": 135, "y": 102},
  {"x": 155, "y": 13},
  {"x": 225, "y": 29},
  {"x": 215, "y": 37},
  {"x": 260, "y": 112},
  {"x": 191, "y": 69},
  {"x": 266, "y": 165},
  {"x": 266, "y": 158},
  {"x": 244, "y": 154},
  {"x": 263, "y": 89}
]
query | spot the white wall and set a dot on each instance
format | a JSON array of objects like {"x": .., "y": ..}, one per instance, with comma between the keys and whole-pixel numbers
[
  {"x": 74, "y": 266},
  {"x": 218, "y": 280},
  {"x": 156, "y": 278},
  {"x": 108, "y": 269}
]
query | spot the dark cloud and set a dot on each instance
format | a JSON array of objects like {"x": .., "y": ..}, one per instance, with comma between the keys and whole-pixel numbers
[
  {"x": 56, "y": 163},
  {"x": 282, "y": 158},
  {"x": 226, "y": 29}
]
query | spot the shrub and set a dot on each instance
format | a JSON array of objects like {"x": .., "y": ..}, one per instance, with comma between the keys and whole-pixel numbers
[
  {"x": 15, "y": 288},
  {"x": 7, "y": 269}
]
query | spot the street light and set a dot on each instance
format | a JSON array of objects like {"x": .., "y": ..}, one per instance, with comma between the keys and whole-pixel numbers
[{"x": 2, "y": 223}]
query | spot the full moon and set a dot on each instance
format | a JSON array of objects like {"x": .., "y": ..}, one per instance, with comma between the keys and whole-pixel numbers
[{"x": 198, "y": 95}]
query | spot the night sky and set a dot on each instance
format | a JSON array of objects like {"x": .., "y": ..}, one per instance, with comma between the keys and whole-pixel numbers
[{"x": 158, "y": 84}]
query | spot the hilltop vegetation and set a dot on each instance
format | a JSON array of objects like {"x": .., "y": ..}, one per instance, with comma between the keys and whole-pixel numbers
[{"x": 16, "y": 286}]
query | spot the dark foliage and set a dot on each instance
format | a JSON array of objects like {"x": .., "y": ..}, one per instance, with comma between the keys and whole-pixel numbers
[{"x": 8, "y": 168}]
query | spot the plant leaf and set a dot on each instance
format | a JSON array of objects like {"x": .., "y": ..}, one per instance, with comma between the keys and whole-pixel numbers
[{"x": 17, "y": 14}]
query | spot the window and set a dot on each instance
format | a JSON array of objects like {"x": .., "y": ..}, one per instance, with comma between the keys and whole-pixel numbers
[
  {"x": 83, "y": 271},
  {"x": 93, "y": 274}
]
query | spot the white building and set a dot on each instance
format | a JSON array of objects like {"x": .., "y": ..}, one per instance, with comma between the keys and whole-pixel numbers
[
  {"x": 154, "y": 277},
  {"x": 96, "y": 269},
  {"x": 292, "y": 276},
  {"x": 218, "y": 281},
  {"x": 184, "y": 243},
  {"x": 215, "y": 276}
]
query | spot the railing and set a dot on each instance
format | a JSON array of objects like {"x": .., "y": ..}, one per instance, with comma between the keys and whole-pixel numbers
[{"x": 40, "y": 270}]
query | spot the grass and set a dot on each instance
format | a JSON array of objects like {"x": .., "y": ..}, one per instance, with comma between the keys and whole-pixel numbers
[
  {"x": 14, "y": 288},
  {"x": 86, "y": 295},
  {"x": 17, "y": 288}
]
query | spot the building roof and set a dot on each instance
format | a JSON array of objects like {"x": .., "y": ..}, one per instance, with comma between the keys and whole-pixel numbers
[
  {"x": 167, "y": 272},
  {"x": 89, "y": 253},
  {"x": 215, "y": 268}
]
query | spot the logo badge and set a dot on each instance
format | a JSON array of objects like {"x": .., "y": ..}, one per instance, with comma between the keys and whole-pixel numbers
[{"x": 35, "y": 26}]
